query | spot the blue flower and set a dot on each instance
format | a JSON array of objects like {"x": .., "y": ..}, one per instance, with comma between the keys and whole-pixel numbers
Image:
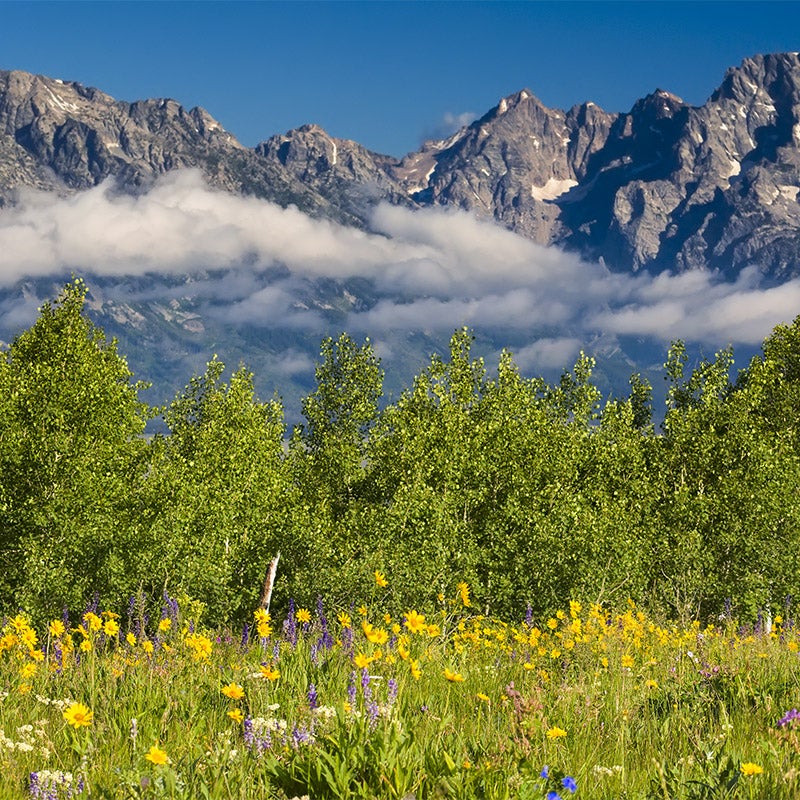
[
  {"x": 553, "y": 796},
  {"x": 569, "y": 784},
  {"x": 545, "y": 773}
]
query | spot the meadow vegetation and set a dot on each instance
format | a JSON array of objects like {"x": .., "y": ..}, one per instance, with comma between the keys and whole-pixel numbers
[{"x": 528, "y": 591}]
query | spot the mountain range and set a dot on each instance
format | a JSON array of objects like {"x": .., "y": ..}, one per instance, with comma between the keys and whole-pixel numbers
[{"x": 665, "y": 187}]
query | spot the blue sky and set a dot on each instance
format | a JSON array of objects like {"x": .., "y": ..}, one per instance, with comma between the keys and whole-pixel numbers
[{"x": 388, "y": 74}]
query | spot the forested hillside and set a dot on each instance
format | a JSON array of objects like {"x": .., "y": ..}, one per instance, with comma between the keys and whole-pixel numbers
[{"x": 532, "y": 493}]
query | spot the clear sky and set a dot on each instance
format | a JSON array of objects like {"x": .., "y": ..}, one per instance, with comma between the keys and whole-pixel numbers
[{"x": 388, "y": 74}]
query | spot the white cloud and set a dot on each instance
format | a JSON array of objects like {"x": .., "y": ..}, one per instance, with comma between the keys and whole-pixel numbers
[
  {"x": 434, "y": 270},
  {"x": 451, "y": 123}
]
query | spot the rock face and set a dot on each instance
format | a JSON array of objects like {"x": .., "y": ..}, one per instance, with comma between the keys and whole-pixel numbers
[{"x": 665, "y": 186}]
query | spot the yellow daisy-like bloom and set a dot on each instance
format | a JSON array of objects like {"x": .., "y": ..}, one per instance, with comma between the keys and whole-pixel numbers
[
  {"x": 264, "y": 630},
  {"x": 86, "y": 646},
  {"x": 56, "y": 628},
  {"x": 303, "y": 615},
  {"x": 111, "y": 627},
  {"x": 78, "y": 715},
  {"x": 484, "y": 698},
  {"x": 28, "y": 638},
  {"x": 148, "y": 647},
  {"x": 415, "y": 622},
  {"x": 556, "y": 733},
  {"x": 463, "y": 591},
  {"x": 24, "y": 688},
  {"x": 453, "y": 677},
  {"x": 380, "y": 579},
  {"x": 627, "y": 661},
  {"x": 36, "y": 655},
  {"x": 130, "y": 639},
  {"x": 236, "y": 715},
  {"x": 415, "y": 670},
  {"x": 165, "y": 624},
  {"x": 362, "y": 661},
  {"x": 28, "y": 670},
  {"x": 233, "y": 690},
  {"x": 155, "y": 755},
  {"x": 344, "y": 619},
  {"x": 374, "y": 635},
  {"x": 93, "y": 622},
  {"x": 749, "y": 769},
  {"x": 269, "y": 673}
]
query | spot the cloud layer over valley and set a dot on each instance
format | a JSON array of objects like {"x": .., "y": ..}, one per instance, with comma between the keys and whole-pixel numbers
[{"x": 255, "y": 264}]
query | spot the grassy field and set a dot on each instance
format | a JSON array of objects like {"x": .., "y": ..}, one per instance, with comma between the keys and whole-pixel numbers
[{"x": 398, "y": 703}]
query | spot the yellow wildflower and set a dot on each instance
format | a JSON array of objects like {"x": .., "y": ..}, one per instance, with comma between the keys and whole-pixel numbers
[
  {"x": 111, "y": 627},
  {"x": 749, "y": 769},
  {"x": 165, "y": 624},
  {"x": 93, "y": 622},
  {"x": 556, "y": 733},
  {"x": 362, "y": 661},
  {"x": 380, "y": 579},
  {"x": 303, "y": 615},
  {"x": 86, "y": 645},
  {"x": 463, "y": 590},
  {"x": 78, "y": 715},
  {"x": 415, "y": 622},
  {"x": 130, "y": 639},
  {"x": 484, "y": 698},
  {"x": 269, "y": 673},
  {"x": 236, "y": 715},
  {"x": 155, "y": 755},
  {"x": 24, "y": 688},
  {"x": 147, "y": 646},
  {"x": 28, "y": 670},
  {"x": 453, "y": 677},
  {"x": 233, "y": 690},
  {"x": 56, "y": 628},
  {"x": 415, "y": 670}
]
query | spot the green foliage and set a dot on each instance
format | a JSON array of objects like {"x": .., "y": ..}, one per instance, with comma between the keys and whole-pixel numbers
[
  {"x": 71, "y": 452},
  {"x": 532, "y": 493},
  {"x": 217, "y": 501}
]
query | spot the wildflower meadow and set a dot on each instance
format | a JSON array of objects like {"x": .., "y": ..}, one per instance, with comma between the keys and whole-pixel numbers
[{"x": 386, "y": 702}]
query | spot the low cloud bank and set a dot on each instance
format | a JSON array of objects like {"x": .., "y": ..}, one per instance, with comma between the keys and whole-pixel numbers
[{"x": 432, "y": 270}]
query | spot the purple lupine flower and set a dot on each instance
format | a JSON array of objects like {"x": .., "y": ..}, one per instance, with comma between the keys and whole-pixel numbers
[
  {"x": 351, "y": 690},
  {"x": 391, "y": 691},
  {"x": 365, "y": 679},
  {"x": 326, "y": 638},
  {"x": 247, "y": 734},
  {"x": 373, "y": 712},
  {"x": 33, "y": 784},
  {"x": 300, "y": 736},
  {"x": 788, "y": 718},
  {"x": 529, "y": 616},
  {"x": 290, "y": 625},
  {"x": 276, "y": 651},
  {"x": 245, "y": 640},
  {"x": 314, "y": 653},
  {"x": 312, "y": 696},
  {"x": 58, "y": 654},
  {"x": 347, "y": 641},
  {"x": 569, "y": 784}
]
